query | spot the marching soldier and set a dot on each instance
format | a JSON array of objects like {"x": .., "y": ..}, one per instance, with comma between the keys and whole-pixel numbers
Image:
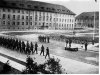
[
  {"x": 36, "y": 48},
  {"x": 47, "y": 53},
  {"x": 23, "y": 46},
  {"x": 42, "y": 50},
  {"x": 31, "y": 48},
  {"x": 27, "y": 47}
]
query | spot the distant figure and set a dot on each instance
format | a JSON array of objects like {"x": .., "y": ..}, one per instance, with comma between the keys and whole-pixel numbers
[
  {"x": 66, "y": 43},
  {"x": 47, "y": 53},
  {"x": 70, "y": 42},
  {"x": 31, "y": 48},
  {"x": 48, "y": 39},
  {"x": 42, "y": 50},
  {"x": 86, "y": 46},
  {"x": 36, "y": 48}
]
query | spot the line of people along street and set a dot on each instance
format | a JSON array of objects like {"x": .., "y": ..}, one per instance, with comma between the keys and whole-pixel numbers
[
  {"x": 21, "y": 46},
  {"x": 45, "y": 39}
]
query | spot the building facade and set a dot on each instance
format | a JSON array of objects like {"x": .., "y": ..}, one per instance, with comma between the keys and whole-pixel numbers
[
  {"x": 87, "y": 20},
  {"x": 23, "y": 15}
]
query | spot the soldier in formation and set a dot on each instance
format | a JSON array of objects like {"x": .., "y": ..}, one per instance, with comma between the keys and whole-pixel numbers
[
  {"x": 44, "y": 39},
  {"x": 21, "y": 46},
  {"x": 17, "y": 45},
  {"x": 36, "y": 46},
  {"x": 47, "y": 53},
  {"x": 42, "y": 50}
]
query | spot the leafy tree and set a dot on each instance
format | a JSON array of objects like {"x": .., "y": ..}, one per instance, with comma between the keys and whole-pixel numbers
[
  {"x": 53, "y": 66},
  {"x": 31, "y": 66}
]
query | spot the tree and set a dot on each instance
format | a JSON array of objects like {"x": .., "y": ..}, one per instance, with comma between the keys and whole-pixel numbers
[
  {"x": 6, "y": 68},
  {"x": 53, "y": 66},
  {"x": 31, "y": 66}
]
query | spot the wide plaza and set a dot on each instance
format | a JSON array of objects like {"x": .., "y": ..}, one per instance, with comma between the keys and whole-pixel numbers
[{"x": 71, "y": 61}]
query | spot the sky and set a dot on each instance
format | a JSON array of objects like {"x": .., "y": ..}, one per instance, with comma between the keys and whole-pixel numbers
[{"x": 77, "y": 6}]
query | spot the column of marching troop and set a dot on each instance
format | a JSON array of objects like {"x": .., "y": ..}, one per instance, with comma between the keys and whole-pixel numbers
[{"x": 22, "y": 46}]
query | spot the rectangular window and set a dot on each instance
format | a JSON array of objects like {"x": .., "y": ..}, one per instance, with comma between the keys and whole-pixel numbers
[
  {"x": 18, "y": 23},
  {"x": 13, "y": 23},
  {"x": 26, "y": 17},
  {"x": 4, "y": 16},
  {"x": 8, "y": 16},
  {"x": 22, "y": 23},
  {"x": 8, "y": 23},
  {"x": 13, "y": 17},
  {"x": 39, "y": 18},
  {"x": 30, "y": 23},
  {"x": 22, "y": 17},
  {"x": 26, "y": 23}
]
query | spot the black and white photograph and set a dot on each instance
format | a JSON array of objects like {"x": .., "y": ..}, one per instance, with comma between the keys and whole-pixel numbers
[{"x": 49, "y": 36}]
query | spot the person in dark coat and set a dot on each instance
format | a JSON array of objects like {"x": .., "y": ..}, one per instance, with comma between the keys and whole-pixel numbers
[
  {"x": 31, "y": 48},
  {"x": 47, "y": 53},
  {"x": 70, "y": 42},
  {"x": 42, "y": 50},
  {"x": 86, "y": 46},
  {"x": 48, "y": 39},
  {"x": 27, "y": 47},
  {"x": 44, "y": 38},
  {"x": 36, "y": 46}
]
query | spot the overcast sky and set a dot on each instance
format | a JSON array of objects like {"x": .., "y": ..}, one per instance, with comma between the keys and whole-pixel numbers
[{"x": 77, "y": 6}]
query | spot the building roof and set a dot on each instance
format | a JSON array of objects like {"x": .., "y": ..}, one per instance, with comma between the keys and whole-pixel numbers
[
  {"x": 88, "y": 15},
  {"x": 35, "y": 5}
]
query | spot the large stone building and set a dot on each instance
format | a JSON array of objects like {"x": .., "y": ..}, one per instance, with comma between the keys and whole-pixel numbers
[
  {"x": 22, "y": 15},
  {"x": 87, "y": 20}
]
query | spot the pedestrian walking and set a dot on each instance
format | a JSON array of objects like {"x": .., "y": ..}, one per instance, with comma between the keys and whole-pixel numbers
[
  {"x": 47, "y": 53},
  {"x": 42, "y": 50}
]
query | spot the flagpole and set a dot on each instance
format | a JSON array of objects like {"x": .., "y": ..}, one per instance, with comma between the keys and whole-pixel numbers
[{"x": 94, "y": 26}]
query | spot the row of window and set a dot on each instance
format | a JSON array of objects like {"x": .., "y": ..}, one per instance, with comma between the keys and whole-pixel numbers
[
  {"x": 36, "y": 18},
  {"x": 45, "y": 24}
]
